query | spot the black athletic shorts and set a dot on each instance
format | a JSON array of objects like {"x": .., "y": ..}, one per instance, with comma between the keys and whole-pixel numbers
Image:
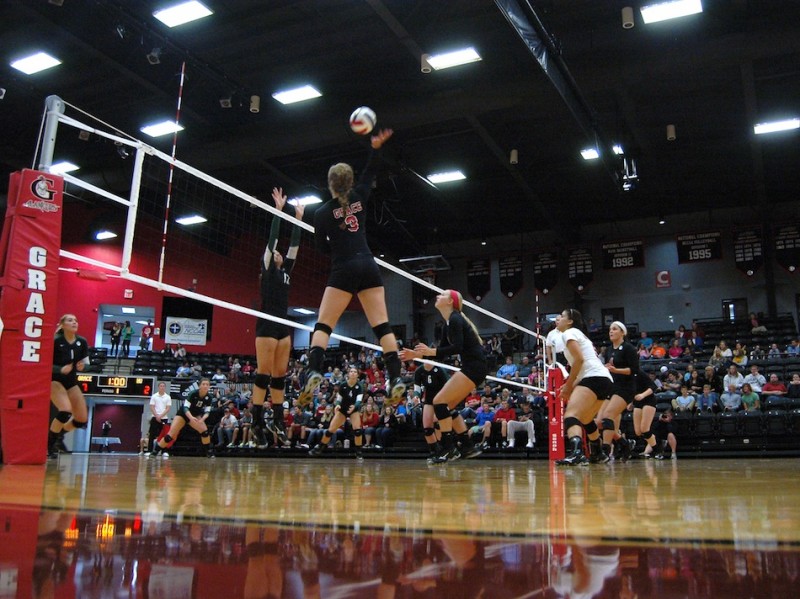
[
  {"x": 356, "y": 274},
  {"x": 68, "y": 380},
  {"x": 273, "y": 330},
  {"x": 475, "y": 371},
  {"x": 602, "y": 387},
  {"x": 650, "y": 400},
  {"x": 347, "y": 406},
  {"x": 625, "y": 390}
]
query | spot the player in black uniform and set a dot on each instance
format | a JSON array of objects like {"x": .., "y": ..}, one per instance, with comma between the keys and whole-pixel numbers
[
  {"x": 349, "y": 393},
  {"x": 623, "y": 364},
  {"x": 460, "y": 337},
  {"x": 644, "y": 410},
  {"x": 340, "y": 229},
  {"x": 70, "y": 356},
  {"x": 430, "y": 379},
  {"x": 194, "y": 411},
  {"x": 273, "y": 341}
]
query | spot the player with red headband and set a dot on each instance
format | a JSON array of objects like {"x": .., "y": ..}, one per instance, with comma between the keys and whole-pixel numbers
[{"x": 460, "y": 337}]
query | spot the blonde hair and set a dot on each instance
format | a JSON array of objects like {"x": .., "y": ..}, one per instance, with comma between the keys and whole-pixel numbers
[
  {"x": 458, "y": 303},
  {"x": 61, "y": 321},
  {"x": 340, "y": 182}
]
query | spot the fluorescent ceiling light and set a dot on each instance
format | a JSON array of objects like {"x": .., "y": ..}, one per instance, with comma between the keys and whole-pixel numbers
[
  {"x": 663, "y": 11},
  {"x": 453, "y": 59},
  {"x": 103, "y": 235},
  {"x": 141, "y": 322},
  {"x": 35, "y": 63},
  {"x": 618, "y": 149},
  {"x": 290, "y": 96},
  {"x": 182, "y": 13},
  {"x": 59, "y": 168},
  {"x": 590, "y": 154},
  {"x": 774, "y": 126},
  {"x": 303, "y": 311},
  {"x": 194, "y": 219},
  {"x": 126, "y": 310},
  {"x": 305, "y": 201},
  {"x": 446, "y": 177},
  {"x": 162, "y": 128}
]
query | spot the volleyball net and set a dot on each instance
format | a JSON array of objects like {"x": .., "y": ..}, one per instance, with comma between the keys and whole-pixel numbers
[{"x": 143, "y": 195}]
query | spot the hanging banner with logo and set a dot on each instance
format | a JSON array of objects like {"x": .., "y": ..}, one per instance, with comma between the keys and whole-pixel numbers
[
  {"x": 545, "y": 271},
  {"x": 579, "y": 267},
  {"x": 29, "y": 263},
  {"x": 510, "y": 275},
  {"x": 748, "y": 250},
  {"x": 478, "y": 278},
  {"x": 699, "y": 247},
  {"x": 623, "y": 254},
  {"x": 188, "y": 331},
  {"x": 787, "y": 246}
]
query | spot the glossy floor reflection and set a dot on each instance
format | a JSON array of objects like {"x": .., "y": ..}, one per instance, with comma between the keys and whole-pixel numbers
[{"x": 123, "y": 526}]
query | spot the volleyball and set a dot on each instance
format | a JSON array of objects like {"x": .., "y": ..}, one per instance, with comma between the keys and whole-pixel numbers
[{"x": 362, "y": 120}]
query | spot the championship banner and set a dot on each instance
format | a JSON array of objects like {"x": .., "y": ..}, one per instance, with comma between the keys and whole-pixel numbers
[
  {"x": 478, "y": 282},
  {"x": 579, "y": 267},
  {"x": 187, "y": 331},
  {"x": 748, "y": 250},
  {"x": 29, "y": 279},
  {"x": 545, "y": 271},
  {"x": 510, "y": 275},
  {"x": 699, "y": 247},
  {"x": 787, "y": 247},
  {"x": 623, "y": 254}
]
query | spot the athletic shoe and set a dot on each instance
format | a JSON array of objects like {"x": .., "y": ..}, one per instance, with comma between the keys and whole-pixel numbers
[
  {"x": 397, "y": 392},
  {"x": 59, "y": 444},
  {"x": 659, "y": 456},
  {"x": 576, "y": 458},
  {"x": 446, "y": 456},
  {"x": 674, "y": 456},
  {"x": 317, "y": 450},
  {"x": 313, "y": 381},
  {"x": 471, "y": 452},
  {"x": 164, "y": 455},
  {"x": 359, "y": 455},
  {"x": 231, "y": 446},
  {"x": 529, "y": 445},
  {"x": 211, "y": 454}
]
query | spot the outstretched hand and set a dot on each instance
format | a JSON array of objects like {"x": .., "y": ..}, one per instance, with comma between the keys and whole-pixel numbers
[
  {"x": 279, "y": 197},
  {"x": 380, "y": 137}
]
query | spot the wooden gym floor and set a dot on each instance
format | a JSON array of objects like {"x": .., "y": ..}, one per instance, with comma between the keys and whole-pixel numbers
[{"x": 126, "y": 526}]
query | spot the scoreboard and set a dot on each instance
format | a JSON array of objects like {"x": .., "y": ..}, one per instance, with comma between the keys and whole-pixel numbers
[{"x": 117, "y": 385}]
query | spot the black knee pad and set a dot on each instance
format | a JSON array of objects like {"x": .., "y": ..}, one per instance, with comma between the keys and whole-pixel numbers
[
  {"x": 571, "y": 421},
  {"x": 359, "y": 432},
  {"x": 429, "y": 431},
  {"x": 646, "y": 435},
  {"x": 321, "y": 326},
  {"x": 382, "y": 329},
  {"x": 278, "y": 382},
  {"x": 167, "y": 439},
  {"x": 79, "y": 423},
  {"x": 455, "y": 413},
  {"x": 205, "y": 433},
  {"x": 262, "y": 381},
  {"x": 590, "y": 427},
  {"x": 63, "y": 416},
  {"x": 608, "y": 424},
  {"x": 436, "y": 426},
  {"x": 441, "y": 411}
]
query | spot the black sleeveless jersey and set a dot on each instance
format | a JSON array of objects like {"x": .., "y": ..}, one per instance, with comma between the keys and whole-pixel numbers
[
  {"x": 460, "y": 338},
  {"x": 431, "y": 380},
  {"x": 625, "y": 356},
  {"x": 65, "y": 352},
  {"x": 274, "y": 290},
  {"x": 196, "y": 405}
]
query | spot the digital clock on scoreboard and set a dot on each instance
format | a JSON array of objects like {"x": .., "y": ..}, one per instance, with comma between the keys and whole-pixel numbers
[{"x": 115, "y": 384}]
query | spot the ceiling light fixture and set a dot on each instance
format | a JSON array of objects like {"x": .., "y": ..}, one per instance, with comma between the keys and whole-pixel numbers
[
  {"x": 59, "y": 168},
  {"x": 305, "y": 200},
  {"x": 162, "y": 128},
  {"x": 298, "y": 94},
  {"x": 483, "y": 242},
  {"x": 671, "y": 134},
  {"x": 663, "y": 11},
  {"x": 126, "y": 310},
  {"x": 446, "y": 177},
  {"x": 255, "y": 104},
  {"x": 627, "y": 17},
  {"x": 618, "y": 149},
  {"x": 182, "y": 13},
  {"x": 35, "y": 63},
  {"x": 154, "y": 57},
  {"x": 775, "y": 126},
  {"x": 103, "y": 235},
  {"x": 226, "y": 101},
  {"x": 590, "y": 154},
  {"x": 661, "y": 220},
  {"x": 453, "y": 59},
  {"x": 193, "y": 219}
]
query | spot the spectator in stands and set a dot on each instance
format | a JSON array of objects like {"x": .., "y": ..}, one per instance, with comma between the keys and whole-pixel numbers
[
  {"x": 225, "y": 429},
  {"x": 511, "y": 339},
  {"x": 301, "y": 424},
  {"x": 681, "y": 337},
  {"x": 489, "y": 394},
  {"x": 644, "y": 352},
  {"x": 731, "y": 400},
  {"x": 184, "y": 371},
  {"x": 672, "y": 385},
  {"x": 750, "y": 400},
  {"x": 740, "y": 354},
  {"x": 197, "y": 370},
  {"x": 522, "y": 422},
  {"x": 646, "y": 340},
  {"x": 711, "y": 377},
  {"x": 725, "y": 351},
  {"x": 160, "y": 405},
  {"x": 524, "y": 370},
  {"x": 693, "y": 379},
  {"x": 508, "y": 370},
  {"x": 685, "y": 402},
  {"x": 369, "y": 420},
  {"x": 502, "y": 416},
  {"x": 116, "y": 334},
  {"x": 219, "y": 379},
  {"x": 236, "y": 371},
  {"x": 496, "y": 347},
  {"x": 658, "y": 351},
  {"x": 757, "y": 353},
  {"x": 734, "y": 377},
  {"x": 707, "y": 400},
  {"x": 127, "y": 335},
  {"x": 755, "y": 327},
  {"x": 774, "y": 352},
  {"x": 592, "y": 326},
  {"x": 146, "y": 340},
  {"x": 755, "y": 379},
  {"x": 246, "y": 428},
  {"x": 323, "y": 422},
  {"x": 484, "y": 416},
  {"x": 179, "y": 352},
  {"x": 248, "y": 370},
  {"x": 387, "y": 427},
  {"x": 793, "y": 349},
  {"x": 675, "y": 349},
  {"x": 774, "y": 387},
  {"x": 717, "y": 361},
  {"x": 793, "y": 390}
]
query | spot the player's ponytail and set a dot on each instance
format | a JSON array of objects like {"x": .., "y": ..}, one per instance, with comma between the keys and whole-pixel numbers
[
  {"x": 458, "y": 303},
  {"x": 340, "y": 183}
]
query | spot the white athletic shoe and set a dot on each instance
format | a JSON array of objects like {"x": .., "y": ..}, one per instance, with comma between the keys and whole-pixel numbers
[
  {"x": 164, "y": 455},
  {"x": 529, "y": 445}
]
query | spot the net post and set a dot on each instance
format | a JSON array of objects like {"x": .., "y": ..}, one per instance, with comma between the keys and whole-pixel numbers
[
  {"x": 54, "y": 106},
  {"x": 130, "y": 225}
]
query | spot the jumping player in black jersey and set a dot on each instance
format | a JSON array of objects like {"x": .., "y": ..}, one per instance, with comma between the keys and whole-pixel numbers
[
  {"x": 194, "y": 411},
  {"x": 70, "y": 356},
  {"x": 644, "y": 410},
  {"x": 623, "y": 364},
  {"x": 460, "y": 337},
  {"x": 430, "y": 379},
  {"x": 340, "y": 229},
  {"x": 273, "y": 341},
  {"x": 349, "y": 393}
]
